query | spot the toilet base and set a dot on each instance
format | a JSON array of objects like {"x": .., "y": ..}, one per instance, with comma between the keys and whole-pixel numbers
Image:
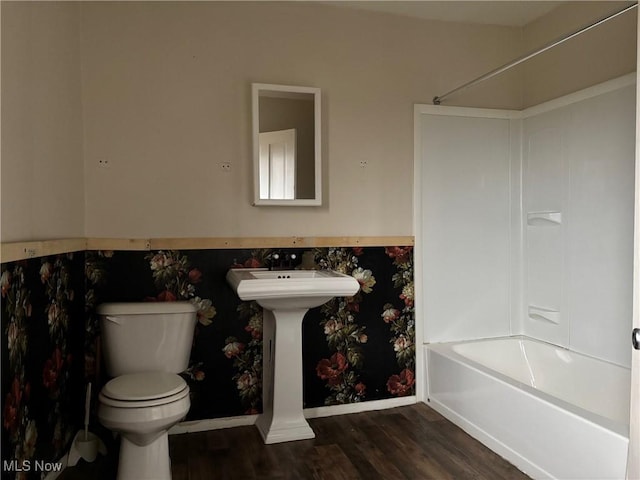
[{"x": 148, "y": 462}]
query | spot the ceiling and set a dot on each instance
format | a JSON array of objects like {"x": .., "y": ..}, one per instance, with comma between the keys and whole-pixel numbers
[{"x": 509, "y": 13}]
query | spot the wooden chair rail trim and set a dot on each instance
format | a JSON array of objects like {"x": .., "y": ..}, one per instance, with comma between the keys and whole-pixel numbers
[
  {"x": 14, "y": 251},
  {"x": 11, "y": 252}
]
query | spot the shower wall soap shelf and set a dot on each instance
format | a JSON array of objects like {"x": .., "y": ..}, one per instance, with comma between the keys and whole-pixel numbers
[
  {"x": 544, "y": 314},
  {"x": 542, "y": 219}
]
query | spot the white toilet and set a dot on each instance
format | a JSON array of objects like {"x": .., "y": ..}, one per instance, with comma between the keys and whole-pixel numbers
[{"x": 144, "y": 346}]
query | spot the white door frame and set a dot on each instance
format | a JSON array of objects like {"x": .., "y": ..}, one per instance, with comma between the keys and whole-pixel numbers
[{"x": 633, "y": 460}]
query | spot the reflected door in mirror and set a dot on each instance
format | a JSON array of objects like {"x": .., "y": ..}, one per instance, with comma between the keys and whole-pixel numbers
[{"x": 278, "y": 164}]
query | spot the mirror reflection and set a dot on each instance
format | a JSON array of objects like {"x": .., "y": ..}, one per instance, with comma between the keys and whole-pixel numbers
[{"x": 286, "y": 145}]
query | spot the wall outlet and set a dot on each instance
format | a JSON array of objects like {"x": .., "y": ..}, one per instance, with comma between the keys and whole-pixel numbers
[
  {"x": 102, "y": 163},
  {"x": 225, "y": 166},
  {"x": 363, "y": 163}
]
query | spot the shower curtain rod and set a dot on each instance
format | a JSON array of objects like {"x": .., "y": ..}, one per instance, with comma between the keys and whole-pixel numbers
[{"x": 438, "y": 99}]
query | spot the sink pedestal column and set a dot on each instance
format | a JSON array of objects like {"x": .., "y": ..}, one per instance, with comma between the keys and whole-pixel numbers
[{"x": 282, "y": 419}]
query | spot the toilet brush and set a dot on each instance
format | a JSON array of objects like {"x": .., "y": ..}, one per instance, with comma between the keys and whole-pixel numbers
[{"x": 86, "y": 445}]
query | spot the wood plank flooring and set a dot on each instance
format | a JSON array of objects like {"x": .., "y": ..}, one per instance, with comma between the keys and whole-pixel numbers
[{"x": 412, "y": 442}]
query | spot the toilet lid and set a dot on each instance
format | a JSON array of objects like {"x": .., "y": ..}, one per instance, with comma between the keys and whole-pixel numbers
[{"x": 138, "y": 387}]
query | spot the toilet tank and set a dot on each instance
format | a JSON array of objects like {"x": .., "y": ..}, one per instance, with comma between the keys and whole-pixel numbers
[{"x": 146, "y": 336}]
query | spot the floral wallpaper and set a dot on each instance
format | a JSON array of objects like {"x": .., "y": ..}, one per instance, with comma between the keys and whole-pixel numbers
[
  {"x": 368, "y": 351},
  {"x": 42, "y": 350},
  {"x": 354, "y": 349},
  {"x": 402, "y": 323}
]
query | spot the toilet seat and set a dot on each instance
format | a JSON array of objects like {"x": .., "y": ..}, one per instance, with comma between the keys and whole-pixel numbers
[{"x": 139, "y": 390}]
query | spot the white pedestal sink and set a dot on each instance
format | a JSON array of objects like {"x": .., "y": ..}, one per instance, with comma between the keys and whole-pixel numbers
[{"x": 285, "y": 296}]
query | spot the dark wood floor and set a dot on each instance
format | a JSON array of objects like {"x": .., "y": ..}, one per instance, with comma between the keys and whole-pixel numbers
[{"x": 412, "y": 442}]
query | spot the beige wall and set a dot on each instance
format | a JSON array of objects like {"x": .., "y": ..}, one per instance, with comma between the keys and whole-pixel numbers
[
  {"x": 166, "y": 99},
  {"x": 42, "y": 165},
  {"x": 602, "y": 53}
]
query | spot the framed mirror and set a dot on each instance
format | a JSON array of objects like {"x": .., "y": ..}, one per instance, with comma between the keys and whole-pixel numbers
[{"x": 287, "y": 166}]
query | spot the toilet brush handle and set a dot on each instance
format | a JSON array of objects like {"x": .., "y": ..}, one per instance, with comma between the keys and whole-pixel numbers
[{"x": 87, "y": 410}]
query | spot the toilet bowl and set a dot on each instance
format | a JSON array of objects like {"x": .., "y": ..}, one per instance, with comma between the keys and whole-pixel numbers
[
  {"x": 145, "y": 346},
  {"x": 141, "y": 407}
]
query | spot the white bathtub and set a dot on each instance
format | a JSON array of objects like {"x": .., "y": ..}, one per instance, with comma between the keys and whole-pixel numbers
[{"x": 551, "y": 412}]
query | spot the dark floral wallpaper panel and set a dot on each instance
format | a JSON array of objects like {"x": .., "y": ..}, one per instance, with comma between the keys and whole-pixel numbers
[
  {"x": 43, "y": 381},
  {"x": 354, "y": 349}
]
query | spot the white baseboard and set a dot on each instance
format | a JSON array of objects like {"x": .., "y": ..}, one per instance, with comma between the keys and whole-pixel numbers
[
  {"x": 317, "y": 412},
  {"x": 358, "y": 407},
  {"x": 212, "y": 424}
]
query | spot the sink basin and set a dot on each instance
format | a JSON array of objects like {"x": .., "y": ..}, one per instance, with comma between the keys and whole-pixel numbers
[
  {"x": 290, "y": 289},
  {"x": 285, "y": 296}
]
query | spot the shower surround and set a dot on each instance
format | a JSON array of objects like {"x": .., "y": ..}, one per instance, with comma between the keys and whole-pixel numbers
[{"x": 528, "y": 217}]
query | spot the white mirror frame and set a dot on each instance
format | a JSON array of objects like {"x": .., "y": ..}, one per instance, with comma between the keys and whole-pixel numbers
[{"x": 256, "y": 88}]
